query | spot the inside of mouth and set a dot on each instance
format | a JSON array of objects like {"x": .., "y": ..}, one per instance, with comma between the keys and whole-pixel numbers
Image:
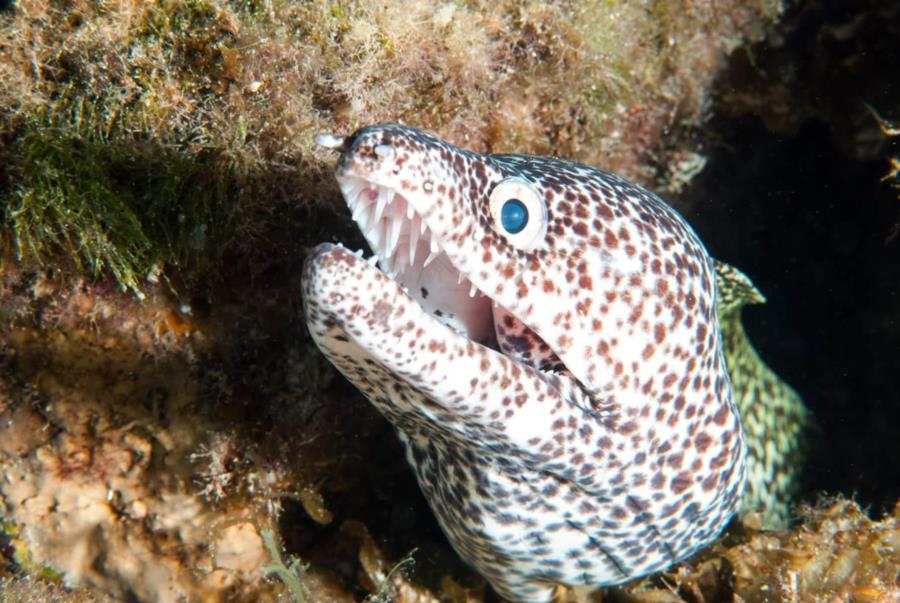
[{"x": 413, "y": 256}]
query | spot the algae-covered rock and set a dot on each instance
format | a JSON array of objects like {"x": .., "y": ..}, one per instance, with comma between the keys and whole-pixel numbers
[
  {"x": 166, "y": 148},
  {"x": 146, "y": 132}
]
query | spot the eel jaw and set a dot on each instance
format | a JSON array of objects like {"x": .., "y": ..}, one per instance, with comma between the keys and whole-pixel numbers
[{"x": 411, "y": 254}]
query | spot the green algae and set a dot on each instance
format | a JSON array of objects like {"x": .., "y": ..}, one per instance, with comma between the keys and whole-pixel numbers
[
  {"x": 230, "y": 94},
  {"x": 108, "y": 206},
  {"x": 290, "y": 573}
]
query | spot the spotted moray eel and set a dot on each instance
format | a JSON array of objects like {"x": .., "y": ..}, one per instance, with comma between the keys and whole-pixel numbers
[
  {"x": 778, "y": 428},
  {"x": 544, "y": 338}
]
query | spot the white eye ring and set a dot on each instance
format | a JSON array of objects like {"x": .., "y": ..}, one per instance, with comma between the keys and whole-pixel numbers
[{"x": 519, "y": 212}]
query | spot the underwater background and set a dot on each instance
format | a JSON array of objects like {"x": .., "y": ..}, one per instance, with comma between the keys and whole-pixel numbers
[{"x": 169, "y": 432}]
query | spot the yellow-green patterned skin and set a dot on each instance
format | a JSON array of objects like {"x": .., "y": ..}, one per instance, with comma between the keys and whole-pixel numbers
[{"x": 775, "y": 421}]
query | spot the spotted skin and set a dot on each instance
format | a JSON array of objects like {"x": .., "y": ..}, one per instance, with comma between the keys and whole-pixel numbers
[
  {"x": 777, "y": 425},
  {"x": 609, "y": 452}
]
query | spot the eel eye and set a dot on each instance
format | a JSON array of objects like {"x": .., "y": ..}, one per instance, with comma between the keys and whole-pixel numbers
[
  {"x": 513, "y": 216},
  {"x": 519, "y": 212}
]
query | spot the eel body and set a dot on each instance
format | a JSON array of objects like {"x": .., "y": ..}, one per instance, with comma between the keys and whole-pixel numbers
[
  {"x": 544, "y": 338},
  {"x": 777, "y": 425}
]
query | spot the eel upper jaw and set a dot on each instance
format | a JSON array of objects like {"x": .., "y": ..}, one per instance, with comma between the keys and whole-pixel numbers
[{"x": 414, "y": 256}]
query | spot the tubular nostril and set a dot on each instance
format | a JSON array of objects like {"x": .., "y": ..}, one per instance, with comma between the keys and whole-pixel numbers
[{"x": 330, "y": 141}]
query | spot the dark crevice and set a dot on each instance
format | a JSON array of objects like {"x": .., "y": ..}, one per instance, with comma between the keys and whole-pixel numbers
[{"x": 796, "y": 199}]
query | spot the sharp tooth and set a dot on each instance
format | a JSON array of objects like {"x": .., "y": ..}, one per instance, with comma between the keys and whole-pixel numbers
[
  {"x": 379, "y": 210},
  {"x": 423, "y": 228},
  {"x": 357, "y": 190},
  {"x": 350, "y": 188},
  {"x": 372, "y": 260},
  {"x": 385, "y": 263},
  {"x": 358, "y": 253},
  {"x": 472, "y": 291},
  {"x": 375, "y": 235},
  {"x": 434, "y": 245},
  {"x": 398, "y": 262},
  {"x": 394, "y": 234},
  {"x": 361, "y": 209},
  {"x": 410, "y": 212},
  {"x": 431, "y": 256},
  {"x": 385, "y": 196},
  {"x": 413, "y": 241},
  {"x": 460, "y": 278}
]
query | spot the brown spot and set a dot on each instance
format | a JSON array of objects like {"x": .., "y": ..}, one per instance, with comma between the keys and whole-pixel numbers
[
  {"x": 440, "y": 346},
  {"x": 610, "y": 239},
  {"x": 675, "y": 460},
  {"x": 659, "y": 332},
  {"x": 721, "y": 416},
  {"x": 586, "y": 283},
  {"x": 702, "y": 441},
  {"x": 680, "y": 482}
]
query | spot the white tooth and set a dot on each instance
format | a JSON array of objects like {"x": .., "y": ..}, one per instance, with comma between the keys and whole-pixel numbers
[
  {"x": 410, "y": 212},
  {"x": 375, "y": 235},
  {"x": 361, "y": 209},
  {"x": 394, "y": 232},
  {"x": 358, "y": 253},
  {"x": 434, "y": 245},
  {"x": 413, "y": 241},
  {"x": 379, "y": 208},
  {"x": 385, "y": 263},
  {"x": 472, "y": 291},
  {"x": 356, "y": 191},
  {"x": 385, "y": 196},
  {"x": 348, "y": 188},
  {"x": 431, "y": 256},
  {"x": 372, "y": 260},
  {"x": 460, "y": 279}
]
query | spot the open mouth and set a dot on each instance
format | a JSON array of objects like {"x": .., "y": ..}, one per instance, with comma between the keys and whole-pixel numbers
[{"x": 412, "y": 255}]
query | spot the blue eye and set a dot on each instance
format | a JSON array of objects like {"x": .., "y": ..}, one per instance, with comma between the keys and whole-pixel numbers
[
  {"x": 518, "y": 213},
  {"x": 514, "y": 216}
]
